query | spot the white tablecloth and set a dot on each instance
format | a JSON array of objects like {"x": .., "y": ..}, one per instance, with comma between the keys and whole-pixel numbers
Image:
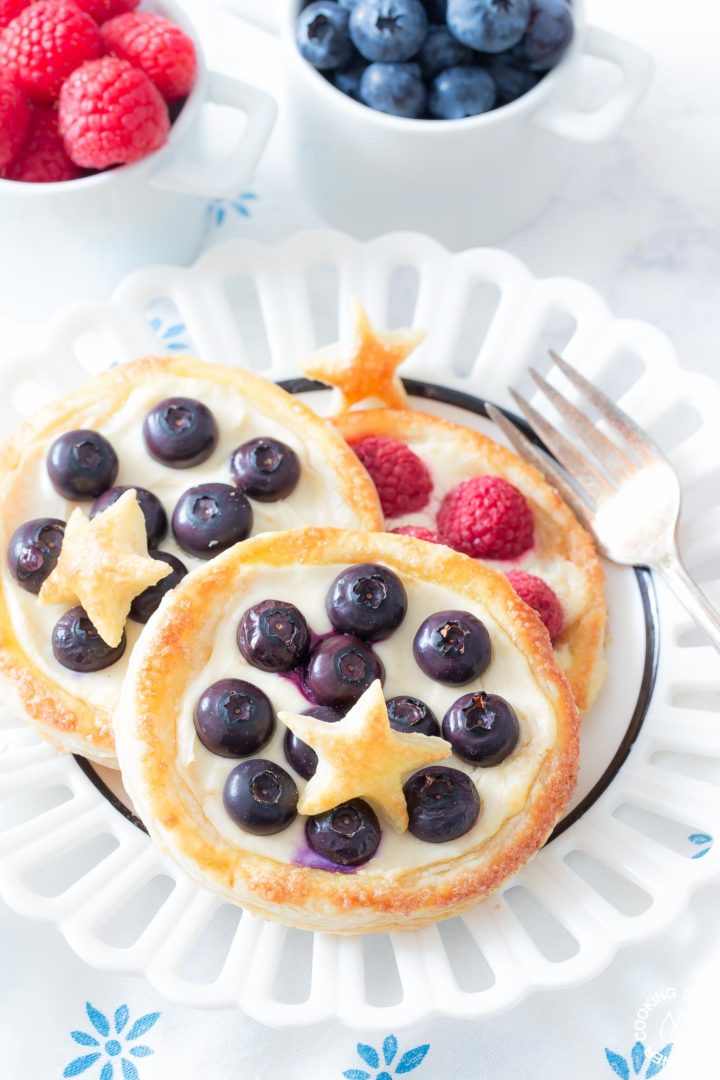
[{"x": 639, "y": 219}]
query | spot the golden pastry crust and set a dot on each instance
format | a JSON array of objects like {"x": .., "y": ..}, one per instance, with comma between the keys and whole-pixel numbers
[
  {"x": 66, "y": 719},
  {"x": 177, "y": 643},
  {"x": 580, "y": 648}
]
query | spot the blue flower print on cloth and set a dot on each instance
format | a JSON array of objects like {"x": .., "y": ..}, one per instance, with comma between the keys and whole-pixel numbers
[
  {"x": 703, "y": 841},
  {"x": 639, "y": 1063},
  {"x": 111, "y": 1051},
  {"x": 384, "y": 1064},
  {"x": 219, "y": 210}
]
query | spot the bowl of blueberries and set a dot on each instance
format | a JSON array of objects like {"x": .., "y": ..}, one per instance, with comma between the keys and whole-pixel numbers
[{"x": 451, "y": 117}]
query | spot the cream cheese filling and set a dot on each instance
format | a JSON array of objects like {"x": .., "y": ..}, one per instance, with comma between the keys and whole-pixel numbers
[
  {"x": 503, "y": 789},
  {"x": 317, "y": 500}
]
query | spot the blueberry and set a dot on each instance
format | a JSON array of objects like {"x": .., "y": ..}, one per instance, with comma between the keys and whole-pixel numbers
[
  {"x": 388, "y": 30},
  {"x": 441, "y": 51},
  {"x": 442, "y": 803},
  {"x": 462, "y": 91},
  {"x": 34, "y": 550},
  {"x": 482, "y": 728},
  {"x": 82, "y": 464},
  {"x": 265, "y": 469},
  {"x": 340, "y": 670},
  {"x": 210, "y": 518},
  {"x": 452, "y": 647},
  {"x": 273, "y": 636},
  {"x": 397, "y": 89},
  {"x": 348, "y": 835},
  {"x": 301, "y": 756},
  {"x": 156, "y": 521},
  {"x": 147, "y": 603},
  {"x": 368, "y": 601},
  {"x": 180, "y": 432},
  {"x": 511, "y": 82},
  {"x": 77, "y": 645},
  {"x": 347, "y": 79},
  {"x": 260, "y": 797},
  {"x": 321, "y": 33},
  {"x": 410, "y": 715},
  {"x": 233, "y": 718},
  {"x": 491, "y": 26},
  {"x": 548, "y": 35}
]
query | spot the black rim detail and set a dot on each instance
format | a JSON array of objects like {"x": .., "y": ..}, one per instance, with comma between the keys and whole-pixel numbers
[{"x": 645, "y": 583}]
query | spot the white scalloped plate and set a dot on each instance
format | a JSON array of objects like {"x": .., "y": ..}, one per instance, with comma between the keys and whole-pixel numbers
[{"x": 625, "y": 863}]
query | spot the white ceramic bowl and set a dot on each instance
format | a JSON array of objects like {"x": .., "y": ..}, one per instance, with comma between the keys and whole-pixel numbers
[
  {"x": 367, "y": 172},
  {"x": 76, "y": 240}
]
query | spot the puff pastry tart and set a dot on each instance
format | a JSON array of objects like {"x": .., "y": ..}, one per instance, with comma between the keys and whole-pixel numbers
[
  {"x": 445, "y": 483},
  {"x": 347, "y": 731},
  {"x": 110, "y": 495}
]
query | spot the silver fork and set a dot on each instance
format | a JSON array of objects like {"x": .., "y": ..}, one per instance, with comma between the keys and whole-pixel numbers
[{"x": 626, "y": 493}]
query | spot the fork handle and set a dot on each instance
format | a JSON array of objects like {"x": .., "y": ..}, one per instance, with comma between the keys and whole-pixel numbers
[{"x": 691, "y": 597}]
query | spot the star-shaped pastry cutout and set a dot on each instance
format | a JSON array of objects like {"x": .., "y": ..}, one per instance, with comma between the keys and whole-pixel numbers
[
  {"x": 362, "y": 757},
  {"x": 367, "y": 367},
  {"x": 104, "y": 564}
]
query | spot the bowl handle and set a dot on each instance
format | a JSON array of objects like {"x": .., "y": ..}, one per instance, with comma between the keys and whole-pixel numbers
[
  {"x": 597, "y": 124},
  {"x": 213, "y": 179}
]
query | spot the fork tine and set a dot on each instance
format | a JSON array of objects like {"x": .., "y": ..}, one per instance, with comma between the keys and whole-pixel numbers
[
  {"x": 543, "y": 463},
  {"x": 616, "y": 463},
  {"x": 640, "y": 443},
  {"x": 595, "y": 485}
]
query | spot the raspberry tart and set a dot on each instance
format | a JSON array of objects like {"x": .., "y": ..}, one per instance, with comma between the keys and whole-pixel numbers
[
  {"x": 112, "y": 494},
  {"x": 347, "y": 731},
  {"x": 445, "y": 483}
]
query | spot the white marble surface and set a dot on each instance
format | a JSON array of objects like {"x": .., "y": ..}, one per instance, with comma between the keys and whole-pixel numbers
[{"x": 638, "y": 218}]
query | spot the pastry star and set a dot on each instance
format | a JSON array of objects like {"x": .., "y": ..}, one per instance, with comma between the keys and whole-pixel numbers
[
  {"x": 104, "y": 564},
  {"x": 361, "y": 756},
  {"x": 367, "y": 367}
]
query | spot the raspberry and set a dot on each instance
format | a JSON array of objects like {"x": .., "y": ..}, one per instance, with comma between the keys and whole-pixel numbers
[
  {"x": 419, "y": 532},
  {"x": 158, "y": 47},
  {"x": 102, "y": 10},
  {"x": 111, "y": 114},
  {"x": 486, "y": 517},
  {"x": 538, "y": 595},
  {"x": 10, "y": 9},
  {"x": 46, "y": 42},
  {"x": 401, "y": 478},
  {"x": 14, "y": 118},
  {"x": 43, "y": 158}
]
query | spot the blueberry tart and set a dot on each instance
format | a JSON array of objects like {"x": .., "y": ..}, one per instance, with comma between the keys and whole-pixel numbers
[
  {"x": 347, "y": 731},
  {"x": 111, "y": 495}
]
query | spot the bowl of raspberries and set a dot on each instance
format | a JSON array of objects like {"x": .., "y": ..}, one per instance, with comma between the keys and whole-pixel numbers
[
  {"x": 449, "y": 117},
  {"x": 101, "y": 121}
]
